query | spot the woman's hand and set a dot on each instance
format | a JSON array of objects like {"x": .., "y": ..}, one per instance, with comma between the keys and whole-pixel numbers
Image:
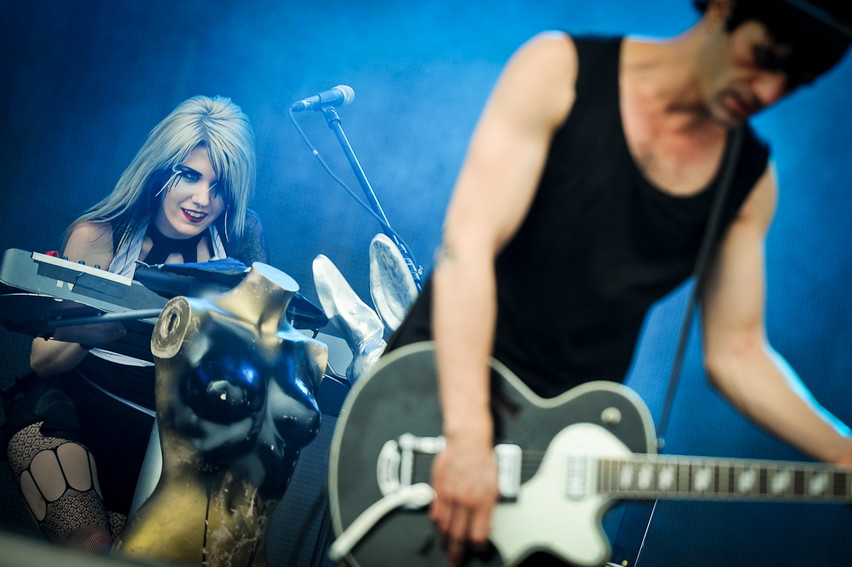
[
  {"x": 92, "y": 335},
  {"x": 64, "y": 351}
]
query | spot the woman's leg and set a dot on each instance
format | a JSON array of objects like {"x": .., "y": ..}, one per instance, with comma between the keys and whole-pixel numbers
[{"x": 59, "y": 483}]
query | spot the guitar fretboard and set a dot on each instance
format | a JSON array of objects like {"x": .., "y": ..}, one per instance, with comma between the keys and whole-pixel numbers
[{"x": 651, "y": 476}]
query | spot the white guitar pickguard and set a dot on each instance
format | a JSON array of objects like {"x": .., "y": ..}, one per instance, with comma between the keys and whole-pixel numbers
[{"x": 545, "y": 517}]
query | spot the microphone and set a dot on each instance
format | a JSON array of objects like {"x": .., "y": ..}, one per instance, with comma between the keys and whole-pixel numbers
[{"x": 339, "y": 95}]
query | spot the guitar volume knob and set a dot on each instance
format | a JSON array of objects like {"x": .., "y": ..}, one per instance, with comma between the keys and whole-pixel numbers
[{"x": 611, "y": 416}]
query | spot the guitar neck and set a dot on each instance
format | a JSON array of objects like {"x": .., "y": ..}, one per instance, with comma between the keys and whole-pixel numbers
[{"x": 651, "y": 476}]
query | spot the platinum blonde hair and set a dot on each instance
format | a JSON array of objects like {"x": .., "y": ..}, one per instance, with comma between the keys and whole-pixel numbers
[{"x": 213, "y": 122}]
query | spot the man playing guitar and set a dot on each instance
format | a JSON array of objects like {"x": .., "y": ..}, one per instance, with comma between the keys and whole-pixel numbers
[{"x": 583, "y": 199}]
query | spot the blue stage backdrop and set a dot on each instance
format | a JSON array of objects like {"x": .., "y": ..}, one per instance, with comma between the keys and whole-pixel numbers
[{"x": 85, "y": 80}]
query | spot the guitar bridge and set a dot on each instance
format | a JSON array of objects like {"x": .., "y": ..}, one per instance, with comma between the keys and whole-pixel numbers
[{"x": 395, "y": 466}]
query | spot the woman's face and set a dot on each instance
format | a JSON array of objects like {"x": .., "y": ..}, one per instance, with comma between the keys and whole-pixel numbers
[{"x": 194, "y": 199}]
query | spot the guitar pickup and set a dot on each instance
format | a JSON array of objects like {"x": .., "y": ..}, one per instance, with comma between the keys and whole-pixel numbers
[{"x": 508, "y": 458}]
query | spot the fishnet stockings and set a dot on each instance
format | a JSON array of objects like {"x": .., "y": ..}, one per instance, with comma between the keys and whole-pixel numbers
[{"x": 58, "y": 480}]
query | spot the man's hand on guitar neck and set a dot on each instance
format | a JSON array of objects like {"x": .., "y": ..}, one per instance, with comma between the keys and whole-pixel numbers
[{"x": 464, "y": 477}]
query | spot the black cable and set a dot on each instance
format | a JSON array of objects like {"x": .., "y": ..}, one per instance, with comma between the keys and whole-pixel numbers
[
  {"x": 701, "y": 263},
  {"x": 388, "y": 229}
]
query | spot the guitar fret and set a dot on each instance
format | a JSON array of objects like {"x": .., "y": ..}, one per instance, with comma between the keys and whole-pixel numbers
[
  {"x": 840, "y": 485},
  {"x": 799, "y": 482},
  {"x": 724, "y": 479},
  {"x": 602, "y": 470},
  {"x": 684, "y": 482}
]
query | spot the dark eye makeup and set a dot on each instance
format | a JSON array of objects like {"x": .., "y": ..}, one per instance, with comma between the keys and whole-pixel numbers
[{"x": 193, "y": 176}]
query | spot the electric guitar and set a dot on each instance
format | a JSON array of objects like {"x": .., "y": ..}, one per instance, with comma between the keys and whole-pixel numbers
[{"x": 562, "y": 462}]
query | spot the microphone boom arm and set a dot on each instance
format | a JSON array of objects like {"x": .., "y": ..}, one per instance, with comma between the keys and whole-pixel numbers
[{"x": 336, "y": 126}]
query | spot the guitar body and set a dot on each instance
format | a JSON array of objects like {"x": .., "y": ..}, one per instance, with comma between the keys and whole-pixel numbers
[{"x": 401, "y": 397}]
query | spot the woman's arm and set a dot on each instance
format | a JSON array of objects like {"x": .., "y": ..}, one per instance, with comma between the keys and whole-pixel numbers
[
  {"x": 253, "y": 246},
  {"x": 90, "y": 243}
]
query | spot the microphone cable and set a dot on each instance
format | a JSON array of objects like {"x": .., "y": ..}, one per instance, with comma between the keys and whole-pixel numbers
[{"x": 385, "y": 225}]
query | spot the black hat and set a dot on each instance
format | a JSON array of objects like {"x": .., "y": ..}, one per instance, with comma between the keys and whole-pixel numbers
[{"x": 837, "y": 14}]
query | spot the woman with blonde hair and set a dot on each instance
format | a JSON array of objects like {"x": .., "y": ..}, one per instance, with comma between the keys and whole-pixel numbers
[{"x": 78, "y": 436}]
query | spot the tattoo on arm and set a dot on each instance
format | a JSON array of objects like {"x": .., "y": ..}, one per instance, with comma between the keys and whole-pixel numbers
[{"x": 443, "y": 254}]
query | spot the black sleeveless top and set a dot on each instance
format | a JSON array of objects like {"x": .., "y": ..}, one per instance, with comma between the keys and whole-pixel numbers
[{"x": 599, "y": 245}]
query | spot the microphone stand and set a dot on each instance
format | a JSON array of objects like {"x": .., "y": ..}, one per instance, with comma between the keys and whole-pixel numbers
[{"x": 334, "y": 123}]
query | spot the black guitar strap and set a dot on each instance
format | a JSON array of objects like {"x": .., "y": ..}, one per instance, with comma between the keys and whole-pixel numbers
[{"x": 699, "y": 272}]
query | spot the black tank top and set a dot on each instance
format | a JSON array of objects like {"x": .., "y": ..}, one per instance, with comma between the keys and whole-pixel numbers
[{"x": 598, "y": 247}]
